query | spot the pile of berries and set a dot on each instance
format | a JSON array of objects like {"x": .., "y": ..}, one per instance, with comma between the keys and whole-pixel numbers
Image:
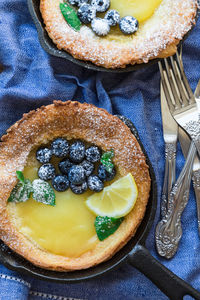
[
  {"x": 101, "y": 26},
  {"x": 77, "y": 167}
]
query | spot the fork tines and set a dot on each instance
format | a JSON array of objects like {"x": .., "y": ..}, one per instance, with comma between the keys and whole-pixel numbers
[{"x": 175, "y": 84}]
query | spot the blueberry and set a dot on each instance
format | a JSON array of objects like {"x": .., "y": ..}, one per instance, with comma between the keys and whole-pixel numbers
[
  {"x": 43, "y": 155},
  {"x": 64, "y": 166},
  {"x": 46, "y": 172},
  {"x": 105, "y": 175},
  {"x": 113, "y": 17},
  {"x": 128, "y": 25},
  {"x": 76, "y": 174},
  {"x": 95, "y": 184},
  {"x": 77, "y": 2},
  {"x": 86, "y": 13},
  {"x": 60, "y": 183},
  {"x": 60, "y": 147},
  {"x": 100, "y": 26},
  {"x": 93, "y": 154},
  {"x": 79, "y": 189},
  {"x": 88, "y": 167},
  {"x": 101, "y": 5},
  {"x": 77, "y": 152}
]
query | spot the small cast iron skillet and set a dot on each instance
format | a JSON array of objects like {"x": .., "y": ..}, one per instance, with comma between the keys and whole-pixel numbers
[
  {"x": 134, "y": 252},
  {"x": 50, "y": 47}
]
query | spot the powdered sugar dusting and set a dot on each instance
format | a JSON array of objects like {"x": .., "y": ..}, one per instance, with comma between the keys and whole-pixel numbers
[{"x": 170, "y": 22}]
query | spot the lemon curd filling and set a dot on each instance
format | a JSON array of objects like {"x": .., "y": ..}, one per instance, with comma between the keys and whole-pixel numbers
[
  {"x": 66, "y": 229},
  {"x": 139, "y": 9},
  {"x": 142, "y": 10}
]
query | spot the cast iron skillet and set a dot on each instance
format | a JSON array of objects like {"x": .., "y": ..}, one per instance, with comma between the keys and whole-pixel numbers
[
  {"x": 134, "y": 252},
  {"x": 50, "y": 47}
]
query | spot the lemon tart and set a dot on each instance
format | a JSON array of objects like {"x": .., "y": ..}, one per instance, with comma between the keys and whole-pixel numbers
[
  {"x": 162, "y": 24},
  {"x": 62, "y": 236}
]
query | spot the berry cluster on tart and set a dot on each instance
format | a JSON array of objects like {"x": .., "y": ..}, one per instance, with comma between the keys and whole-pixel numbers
[
  {"x": 115, "y": 33},
  {"x": 45, "y": 213}
]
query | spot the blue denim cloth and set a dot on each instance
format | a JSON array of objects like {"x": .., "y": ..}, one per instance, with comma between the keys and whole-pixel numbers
[{"x": 32, "y": 78}]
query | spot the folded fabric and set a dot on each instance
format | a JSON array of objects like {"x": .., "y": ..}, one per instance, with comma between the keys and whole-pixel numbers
[{"x": 32, "y": 78}]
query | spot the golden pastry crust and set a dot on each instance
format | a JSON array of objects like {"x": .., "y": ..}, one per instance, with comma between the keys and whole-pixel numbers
[
  {"x": 71, "y": 120},
  {"x": 157, "y": 37}
]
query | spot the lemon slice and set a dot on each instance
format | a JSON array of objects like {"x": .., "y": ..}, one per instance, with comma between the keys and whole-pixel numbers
[{"x": 116, "y": 200}]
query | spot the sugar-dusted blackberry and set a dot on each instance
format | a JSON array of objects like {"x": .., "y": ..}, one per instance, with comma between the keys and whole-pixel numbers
[
  {"x": 46, "y": 172},
  {"x": 88, "y": 167},
  {"x": 104, "y": 175},
  {"x": 60, "y": 183},
  {"x": 76, "y": 174},
  {"x": 95, "y": 184},
  {"x": 43, "y": 155},
  {"x": 64, "y": 166},
  {"x": 93, "y": 154},
  {"x": 77, "y": 151},
  {"x": 113, "y": 17},
  {"x": 77, "y": 2},
  {"x": 128, "y": 25},
  {"x": 86, "y": 13},
  {"x": 100, "y": 26},
  {"x": 79, "y": 189},
  {"x": 101, "y": 5},
  {"x": 60, "y": 147}
]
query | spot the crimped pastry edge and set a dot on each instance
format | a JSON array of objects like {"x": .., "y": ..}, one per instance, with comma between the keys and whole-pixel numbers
[{"x": 29, "y": 132}]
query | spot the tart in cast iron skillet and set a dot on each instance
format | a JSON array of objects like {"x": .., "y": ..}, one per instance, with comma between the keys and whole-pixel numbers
[
  {"x": 145, "y": 30},
  {"x": 90, "y": 125}
]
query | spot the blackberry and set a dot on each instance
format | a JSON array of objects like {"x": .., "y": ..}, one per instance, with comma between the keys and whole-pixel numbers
[
  {"x": 86, "y": 13},
  {"x": 60, "y": 147},
  {"x": 46, "y": 172},
  {"x": 76, "y": 174},
  {"x": 95, "y": 184},
  {"x": 60, "y": 183},
  {"x": 105, "y": 175},
  {"x": 79, "y": 189},
  {"x": 101, "y": 5},
  {"x": 43, "y": 155},
  {"x": 77, "y": 2},
  {"x": 93, "y": 154},
  {"x": 64, "y": 166},
  {"x": 113, "y": 17},
  {"x": 100, "y": 26},
  {"x": 77, "y": 152},
  {"x": 128, "y": 25},
  {"x": 88, "y": 167}
]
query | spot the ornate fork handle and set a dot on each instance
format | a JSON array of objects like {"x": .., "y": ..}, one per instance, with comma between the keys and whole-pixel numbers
[
  {"x": 169, "y": 177},
  {"x": 168, "y": 230},
  {"x": 193, "y": 128},
  {"x": 196, "y": 185}
]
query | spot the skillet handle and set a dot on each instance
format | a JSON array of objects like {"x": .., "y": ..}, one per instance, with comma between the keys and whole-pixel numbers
[{"x": 170, "y": 284}]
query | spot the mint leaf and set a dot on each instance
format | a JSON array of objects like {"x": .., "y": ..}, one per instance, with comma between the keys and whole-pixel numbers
[
  {"x": 108, "y": 155},
  {"x": 106, "y": 160},
  {"x": 43, "y": 192},
  {"x": 21, "y": 192},
  {"x": 20, "y": 176},
  {"x": 106, "y": 226},
  {"x": 70, "y": 16}
]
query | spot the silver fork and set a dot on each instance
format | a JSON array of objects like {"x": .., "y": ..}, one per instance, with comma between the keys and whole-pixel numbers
[{"x": 180, "y": 98}]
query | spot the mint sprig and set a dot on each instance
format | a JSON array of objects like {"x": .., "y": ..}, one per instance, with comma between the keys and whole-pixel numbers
[
  {"x": 106, "y": 226},
  {"x": 22, "y": 191},
  {"x": 70, "y": 16},
  {"x": 106, "y": 160},
  {"x": 41, "y": 190}
]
